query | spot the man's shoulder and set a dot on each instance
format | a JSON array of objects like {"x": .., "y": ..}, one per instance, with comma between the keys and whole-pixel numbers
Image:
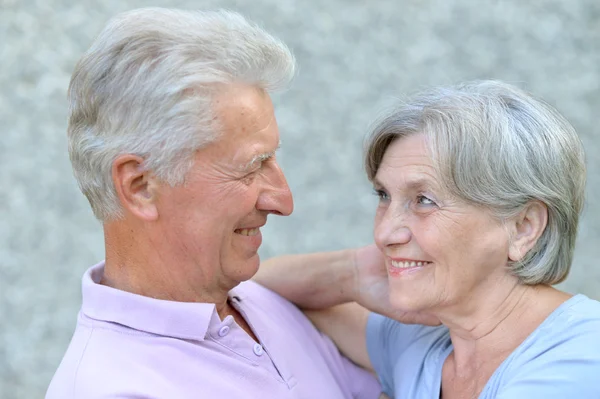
[
  {"x": 252, "y": 287},
  {"x": 95, "y": 362},
  {"x": 273, "y": 313},
  {"x": 259, "y": 294},
  {"x": 272, "y": 307}
]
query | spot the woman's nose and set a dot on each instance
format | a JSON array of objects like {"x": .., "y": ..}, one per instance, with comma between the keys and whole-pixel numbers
[{"x": 391, "y": 229}]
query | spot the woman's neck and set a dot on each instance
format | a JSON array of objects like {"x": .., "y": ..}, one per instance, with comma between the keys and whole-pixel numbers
[
  {"x": 483, "y": 339},
  {"x": 495, "y": 318}
]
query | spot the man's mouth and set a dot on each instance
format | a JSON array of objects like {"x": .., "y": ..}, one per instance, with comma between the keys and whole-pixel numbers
[{"x": 248, "y": 232}]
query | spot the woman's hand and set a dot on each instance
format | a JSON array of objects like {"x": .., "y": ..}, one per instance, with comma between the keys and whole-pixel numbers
[
  {"x": 325, "y": 279},
  {"x": 311, "y": 281}
]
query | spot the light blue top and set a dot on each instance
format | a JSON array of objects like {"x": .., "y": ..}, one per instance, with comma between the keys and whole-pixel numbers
[{"x": 560, "y": 359}]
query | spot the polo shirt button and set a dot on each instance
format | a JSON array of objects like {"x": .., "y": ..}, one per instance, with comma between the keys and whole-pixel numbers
[
  {"x": 223, "y": 331},
  {"x": 258, "y": 349}
]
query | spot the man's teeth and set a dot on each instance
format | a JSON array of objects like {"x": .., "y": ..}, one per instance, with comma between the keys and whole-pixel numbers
[
  {"x": 248, "y": 232},
  {"x": 404, "y": 265}
]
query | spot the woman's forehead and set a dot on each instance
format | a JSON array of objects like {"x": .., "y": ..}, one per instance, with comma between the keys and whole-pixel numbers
[
  {"x": 407, "y": 163},
  {"x": 414, "y": 145},
  {"x": 407, "y": 156}
]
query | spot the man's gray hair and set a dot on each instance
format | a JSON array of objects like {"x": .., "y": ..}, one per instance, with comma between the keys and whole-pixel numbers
[
  {"x": 496, "y": 146},
  {"x": 145, "y": 85}
]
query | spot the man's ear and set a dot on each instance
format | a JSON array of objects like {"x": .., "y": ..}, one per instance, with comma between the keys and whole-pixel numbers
[
  {"x": 526, "y": 228},
  {"x": 136, "y": 187}
]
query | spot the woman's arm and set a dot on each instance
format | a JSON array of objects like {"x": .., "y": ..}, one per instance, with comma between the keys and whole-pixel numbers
[
  {"x": 311, "y": 281},
  {"x": 317, "y": 283},
  {"x": 325, "y": 279},
  {"x": 320, "y": 281},
  {"x": 346, "y": 325}
]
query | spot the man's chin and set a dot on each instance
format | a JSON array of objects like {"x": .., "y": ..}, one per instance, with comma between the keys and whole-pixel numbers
[{"x": 247, "y": 268}]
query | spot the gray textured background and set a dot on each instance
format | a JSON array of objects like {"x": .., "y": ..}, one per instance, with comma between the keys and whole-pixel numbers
[{"x": 354, "y": 57}]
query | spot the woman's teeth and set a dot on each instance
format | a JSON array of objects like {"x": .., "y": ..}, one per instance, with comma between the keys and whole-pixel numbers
[{"x": 407, "y": 264}]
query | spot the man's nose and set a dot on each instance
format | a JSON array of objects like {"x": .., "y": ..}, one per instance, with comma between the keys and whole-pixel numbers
[{"x": 276, "y": 196}]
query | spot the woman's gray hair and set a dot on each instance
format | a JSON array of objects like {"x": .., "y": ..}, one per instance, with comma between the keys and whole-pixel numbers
[
  {"x": 145, "y": 85},
  {"x": 496, "y": 146}
]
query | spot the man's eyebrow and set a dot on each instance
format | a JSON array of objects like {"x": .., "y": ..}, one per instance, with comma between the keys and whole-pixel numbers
[{"x": 260, "y": 158}]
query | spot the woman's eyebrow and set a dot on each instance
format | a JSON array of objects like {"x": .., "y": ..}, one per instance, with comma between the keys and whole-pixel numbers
[{"x": 410, "y": 184}]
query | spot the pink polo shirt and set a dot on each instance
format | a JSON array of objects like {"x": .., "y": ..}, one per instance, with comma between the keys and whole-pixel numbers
[{"x": 131, "y": 346}]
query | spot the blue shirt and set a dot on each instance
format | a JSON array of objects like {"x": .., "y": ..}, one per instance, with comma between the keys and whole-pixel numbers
[{"x": 559, "y": 359}]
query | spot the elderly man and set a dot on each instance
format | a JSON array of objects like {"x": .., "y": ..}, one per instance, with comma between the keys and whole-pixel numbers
[{"x": 172, "y": 138}]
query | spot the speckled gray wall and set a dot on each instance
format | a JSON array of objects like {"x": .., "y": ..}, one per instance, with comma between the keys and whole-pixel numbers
[{"x": 354, "y": 57}]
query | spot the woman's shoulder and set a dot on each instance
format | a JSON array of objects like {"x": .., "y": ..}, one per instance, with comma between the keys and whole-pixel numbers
[
  {"x": 560, "y": 358},
  {"x": 583, "y": 306},
  {"x": 577, "y": 314},
  {"x": 568, "y": 334}
]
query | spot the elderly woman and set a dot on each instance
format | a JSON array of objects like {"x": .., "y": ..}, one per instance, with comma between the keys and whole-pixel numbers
[{"x": 480, "y": 189}]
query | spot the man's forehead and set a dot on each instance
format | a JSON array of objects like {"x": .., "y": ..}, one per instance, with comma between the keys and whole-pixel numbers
[{"x": 242, "y": 108}]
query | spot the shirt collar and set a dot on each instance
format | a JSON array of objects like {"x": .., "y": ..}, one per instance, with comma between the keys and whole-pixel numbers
[{"x": 183, "y": 320}]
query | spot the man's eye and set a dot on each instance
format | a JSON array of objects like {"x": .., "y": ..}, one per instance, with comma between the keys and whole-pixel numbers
[{"x": 249, "y": 177}]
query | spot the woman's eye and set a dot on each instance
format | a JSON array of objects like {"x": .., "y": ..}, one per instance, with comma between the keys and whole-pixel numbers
[
  {"x": 423, "y": 200},
  {"x": 383, "y": 196}
]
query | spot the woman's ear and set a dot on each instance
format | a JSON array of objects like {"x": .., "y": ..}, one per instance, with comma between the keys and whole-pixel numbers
[
  {"x": 135, "y": 186},
  {"x": 526, "y": 228}
]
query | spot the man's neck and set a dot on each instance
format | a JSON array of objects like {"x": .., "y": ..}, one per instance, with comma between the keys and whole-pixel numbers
[
  {"x": 141, "y": 267},
  {"x": 152, "y": 283},
  {"x": 147, "y": 284}
]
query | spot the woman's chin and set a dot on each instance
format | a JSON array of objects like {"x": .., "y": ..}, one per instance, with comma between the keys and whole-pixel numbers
[{"x": 407, "y": 303}]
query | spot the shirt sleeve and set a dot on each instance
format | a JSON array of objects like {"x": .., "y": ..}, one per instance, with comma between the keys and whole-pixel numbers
[
  {"x": 356, "y": 382},
  {"x": 387, "y": 340},
  {"x": 566, "y": 367},
  {"x": 557, "y": 380},
  {"x": 363, "y": 384}
]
